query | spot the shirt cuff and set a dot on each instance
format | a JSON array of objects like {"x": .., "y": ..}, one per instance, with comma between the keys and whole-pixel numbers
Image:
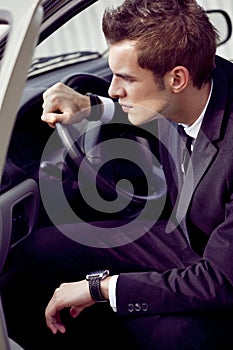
[
  {"x": 112, "y": 291},
  {"x": 109, "y": 109}
]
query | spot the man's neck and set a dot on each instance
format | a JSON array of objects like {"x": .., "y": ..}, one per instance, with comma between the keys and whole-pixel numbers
[{"x": 193, "y": 103}]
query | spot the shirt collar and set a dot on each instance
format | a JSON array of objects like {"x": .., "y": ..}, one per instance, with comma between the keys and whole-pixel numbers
[{"x": 193, "y": 129}]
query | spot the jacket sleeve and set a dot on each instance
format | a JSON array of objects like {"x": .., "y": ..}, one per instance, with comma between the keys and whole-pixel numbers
[
  {"x": 206, "y": 285},
  {"x": 199, "y": 287}
]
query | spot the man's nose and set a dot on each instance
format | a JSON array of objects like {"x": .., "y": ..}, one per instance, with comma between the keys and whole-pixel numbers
[{"x": 115, "y": 89}]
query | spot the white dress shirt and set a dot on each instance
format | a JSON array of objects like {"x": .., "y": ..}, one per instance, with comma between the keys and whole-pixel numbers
[{"x": 109, "y": 109}]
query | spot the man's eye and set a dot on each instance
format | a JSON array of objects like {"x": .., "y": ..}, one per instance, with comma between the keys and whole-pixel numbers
[{"x": 129, "y": 80}]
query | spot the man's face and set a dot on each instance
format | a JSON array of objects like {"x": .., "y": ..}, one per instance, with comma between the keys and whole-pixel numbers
[{"x": 136, "y": 88}]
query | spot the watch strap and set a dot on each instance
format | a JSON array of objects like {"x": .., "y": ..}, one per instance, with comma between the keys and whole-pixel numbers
[
  {"x": 96, "y": 107},
  {"x": 95, "y": 290}
]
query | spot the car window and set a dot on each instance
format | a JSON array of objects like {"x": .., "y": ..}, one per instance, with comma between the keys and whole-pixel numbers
[
  {"x": 82, "y": 33},
  {"x": 216, "y": 10},
  {"x": 3, "y": 28},
  {"x": 78, "y": 40}
]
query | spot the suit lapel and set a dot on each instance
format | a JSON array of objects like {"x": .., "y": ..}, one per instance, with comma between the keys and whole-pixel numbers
[{"x": 203, "y": 154}]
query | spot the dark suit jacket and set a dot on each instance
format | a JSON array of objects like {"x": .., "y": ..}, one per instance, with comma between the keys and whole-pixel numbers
[{"x": 204, "y": 210}]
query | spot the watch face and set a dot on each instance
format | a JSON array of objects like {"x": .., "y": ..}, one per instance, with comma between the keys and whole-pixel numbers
[{"x": 98, "y": 274}]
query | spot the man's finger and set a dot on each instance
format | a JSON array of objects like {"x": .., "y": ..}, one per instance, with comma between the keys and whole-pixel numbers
[
  {"x": 54, "y": 324},
  {"x": 52, "y": 118}
]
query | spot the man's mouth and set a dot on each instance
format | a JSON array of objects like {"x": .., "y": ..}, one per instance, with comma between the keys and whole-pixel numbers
[{"x": 125, "y": 107}]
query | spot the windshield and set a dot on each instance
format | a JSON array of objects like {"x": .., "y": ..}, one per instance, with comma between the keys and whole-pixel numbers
[
  {"x": 82, "y": 39},
  {"x": 79, "y": 39}
]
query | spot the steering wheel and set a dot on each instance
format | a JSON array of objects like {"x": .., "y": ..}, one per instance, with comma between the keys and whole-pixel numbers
[{"x": 102, "y": 153}]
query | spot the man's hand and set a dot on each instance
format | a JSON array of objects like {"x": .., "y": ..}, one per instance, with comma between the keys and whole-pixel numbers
[
  {"x": 65, "y": 105},
  {"x": 74, "y": 295}
]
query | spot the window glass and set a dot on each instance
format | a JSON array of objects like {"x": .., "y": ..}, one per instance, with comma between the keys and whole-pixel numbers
[
  {"x": 82, "y": 33},
  {"x": 226, "y": 49}
]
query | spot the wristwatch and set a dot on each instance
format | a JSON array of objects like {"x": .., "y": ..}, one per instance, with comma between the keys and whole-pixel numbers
[
  {"x": 96, "y": 107},
  {"x": 94, "y": 279}
]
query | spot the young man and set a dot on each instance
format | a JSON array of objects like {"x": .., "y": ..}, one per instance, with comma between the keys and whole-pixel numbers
[{"x": 172, "y": 288}]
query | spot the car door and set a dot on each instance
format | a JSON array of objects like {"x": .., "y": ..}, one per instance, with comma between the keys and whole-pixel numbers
[{"x": 24, "y": 23}]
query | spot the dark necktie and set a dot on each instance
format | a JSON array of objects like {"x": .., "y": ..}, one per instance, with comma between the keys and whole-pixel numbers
[{"x": 185, "y": 148}]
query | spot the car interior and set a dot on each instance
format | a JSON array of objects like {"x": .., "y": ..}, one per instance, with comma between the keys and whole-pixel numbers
[{"x": 33, "y": 165}]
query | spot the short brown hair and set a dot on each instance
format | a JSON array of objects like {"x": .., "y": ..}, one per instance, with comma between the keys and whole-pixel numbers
[{"x": 168, "y": 33}]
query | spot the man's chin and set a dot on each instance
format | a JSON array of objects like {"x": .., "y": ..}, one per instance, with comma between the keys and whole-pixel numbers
[
  {"x": 134, "y": 120},
  {"x": 138, "y": 120}
]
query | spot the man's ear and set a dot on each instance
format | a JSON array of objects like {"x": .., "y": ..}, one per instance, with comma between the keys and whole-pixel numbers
[{"x": 178, "y": 79}]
